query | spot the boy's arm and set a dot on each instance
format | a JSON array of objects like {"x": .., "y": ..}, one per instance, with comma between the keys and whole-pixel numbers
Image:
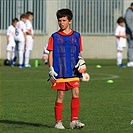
[
  {"x": 24, "y": 36},
  {"x": 118, "y": 36},
  {"x": 50, "y": 58},
  {"x": 30, "y": 33},
  {"x": 52, "y": 73},
  {"x": 8, "y": 35},
  {"x": 7, "y": 38},
  {"x": 80, "y": 54},
  {"x": 81, "y": 62}
]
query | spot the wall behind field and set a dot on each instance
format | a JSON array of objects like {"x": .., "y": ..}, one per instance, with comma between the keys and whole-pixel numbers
[{"x": 95, "y": 47}]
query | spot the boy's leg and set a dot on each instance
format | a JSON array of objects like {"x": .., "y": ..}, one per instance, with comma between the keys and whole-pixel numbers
[
  {"x": 58, "y": 109},
  {"x": 75, "y": 107},
  {"x": 119, "y": 58},
  {"x": 13, "y": 53},
  {"x": 75, "y": 104},
  {"x": 8, "y": 54},
  {"x": 59, "y": 106},
  {"x": 29, "y": 46},
  {"x": 21, "y": 51},
  {"x": 27, "y": 57}
]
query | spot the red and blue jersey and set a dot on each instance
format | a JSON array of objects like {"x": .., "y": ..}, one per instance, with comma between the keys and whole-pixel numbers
[{"x": 66, "y": 49}]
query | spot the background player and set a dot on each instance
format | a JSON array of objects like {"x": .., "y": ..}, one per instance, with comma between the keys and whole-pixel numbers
[
  {"x": 10, "y": 41},
  {"x": 120, "y": 34},
  {"x": 45, "y": 54},
  {"x": 129, "y": 32},
  {"x": 20, "y": 37},
  {"x": 29, "y": 38},
  {"x": 64, "y": 53}
]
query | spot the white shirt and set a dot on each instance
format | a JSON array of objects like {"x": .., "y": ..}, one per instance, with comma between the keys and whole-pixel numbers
[
  {"x": 29, "y": 26},
  {"x": 11, "y": 34},
  {"x": 120, "y": 31},
  {"x": 20, "y": 29}
]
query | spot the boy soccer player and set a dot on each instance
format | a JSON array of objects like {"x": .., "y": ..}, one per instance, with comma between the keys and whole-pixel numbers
[
  {"x": 120, "y": 34},
  {"x": 29, "y": 38},
  {"x": 20, "y": 37},
  {"x": 10, "y": 40},
  {"x": 65, "y": 67}
]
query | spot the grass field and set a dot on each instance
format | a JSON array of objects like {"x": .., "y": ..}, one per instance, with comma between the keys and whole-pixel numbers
[{"x": 26, "y": 100}]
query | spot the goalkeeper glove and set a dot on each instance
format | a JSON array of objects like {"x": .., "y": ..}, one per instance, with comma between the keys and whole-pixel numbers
[
  {"x": 52, "y": 74},
  {"x": 81, "y": 65}
]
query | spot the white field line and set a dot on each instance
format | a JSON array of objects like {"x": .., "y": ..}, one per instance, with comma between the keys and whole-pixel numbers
[{"x": 107, "y": 76}]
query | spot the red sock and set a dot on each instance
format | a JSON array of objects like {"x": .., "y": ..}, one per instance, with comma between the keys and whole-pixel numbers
[
  {"x": 58, "y": 111},
  {"x": 75, "y": 106}
]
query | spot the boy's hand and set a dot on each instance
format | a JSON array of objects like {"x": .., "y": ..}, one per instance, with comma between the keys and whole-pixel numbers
[
  {"x": 81, "y": 65},
  {"x": 52, "y": 74}
]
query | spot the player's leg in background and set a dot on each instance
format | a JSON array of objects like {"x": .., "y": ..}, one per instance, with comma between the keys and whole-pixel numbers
[
  {"x": 119, "y": 57},
  {"x": 13, "y": 56},
  {"x": 45, "y": 59},
  {"x": 8, "y": 52},
  {"x": 16, "y": 53},
  {"x": 27, "y": 57},
  {"x": 28, "y": 49},
  {"x": 21, "y": 51},
  {"x": 129, "y": 51}
]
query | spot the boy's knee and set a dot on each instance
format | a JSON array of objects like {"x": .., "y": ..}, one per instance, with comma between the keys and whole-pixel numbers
[
  {"x": 60, "y": 96},
  {"x": 75, "y": 92}
]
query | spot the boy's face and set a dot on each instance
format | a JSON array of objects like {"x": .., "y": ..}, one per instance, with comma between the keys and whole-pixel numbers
[
  {"x": 122, "y": 24},
  {"x": 30, "y": 17},
  {"x": 14, "y": 24},
  {"x": 24, "y": 19},
  {"x": 64, "y": 23}
]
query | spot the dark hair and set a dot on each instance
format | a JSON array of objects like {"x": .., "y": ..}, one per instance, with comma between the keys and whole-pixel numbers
[
  {"x": 120, "y": 20},
  {"x": 64, "y": 13},
  {"x": 15, "y": 20},
  {"x": 23, "y": 16},
  {"x": 131, "y": 4},
  {"x": 28, "y": 13}
]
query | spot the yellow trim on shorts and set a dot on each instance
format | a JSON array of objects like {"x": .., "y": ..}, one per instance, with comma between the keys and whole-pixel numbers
[{"x": 67, "y": 79}]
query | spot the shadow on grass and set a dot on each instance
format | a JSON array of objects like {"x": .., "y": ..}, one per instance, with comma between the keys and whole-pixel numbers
[{"x": 24, "y": 123}]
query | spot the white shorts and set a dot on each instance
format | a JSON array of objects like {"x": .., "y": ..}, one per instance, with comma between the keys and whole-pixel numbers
[
  {"x": 21, "y": 45},
  {"x": 120, "y": 48},
  {"x": 29, "y": 42},
  {"x": 10, "y": 48}
]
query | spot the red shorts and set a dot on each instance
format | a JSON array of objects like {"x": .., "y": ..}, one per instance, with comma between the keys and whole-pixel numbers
[{"x": 65, "y": 85}]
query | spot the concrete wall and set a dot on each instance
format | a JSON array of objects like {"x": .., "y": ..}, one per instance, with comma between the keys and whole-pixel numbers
[{"x": 93, "y": 47}]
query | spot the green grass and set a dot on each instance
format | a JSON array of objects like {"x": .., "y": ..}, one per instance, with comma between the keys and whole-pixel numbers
[{"x": 27, "y": 101}]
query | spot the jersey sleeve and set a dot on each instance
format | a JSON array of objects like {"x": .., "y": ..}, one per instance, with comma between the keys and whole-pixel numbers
[
  {"x": 24, "y": 28},
  {"x": 50, "y": 44},
  {"x": 80, "y": 44},
  {"x": 28, "y": 25},
  {"x": 117, "y": 31},
  {"x": 8, "y": 31}
]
